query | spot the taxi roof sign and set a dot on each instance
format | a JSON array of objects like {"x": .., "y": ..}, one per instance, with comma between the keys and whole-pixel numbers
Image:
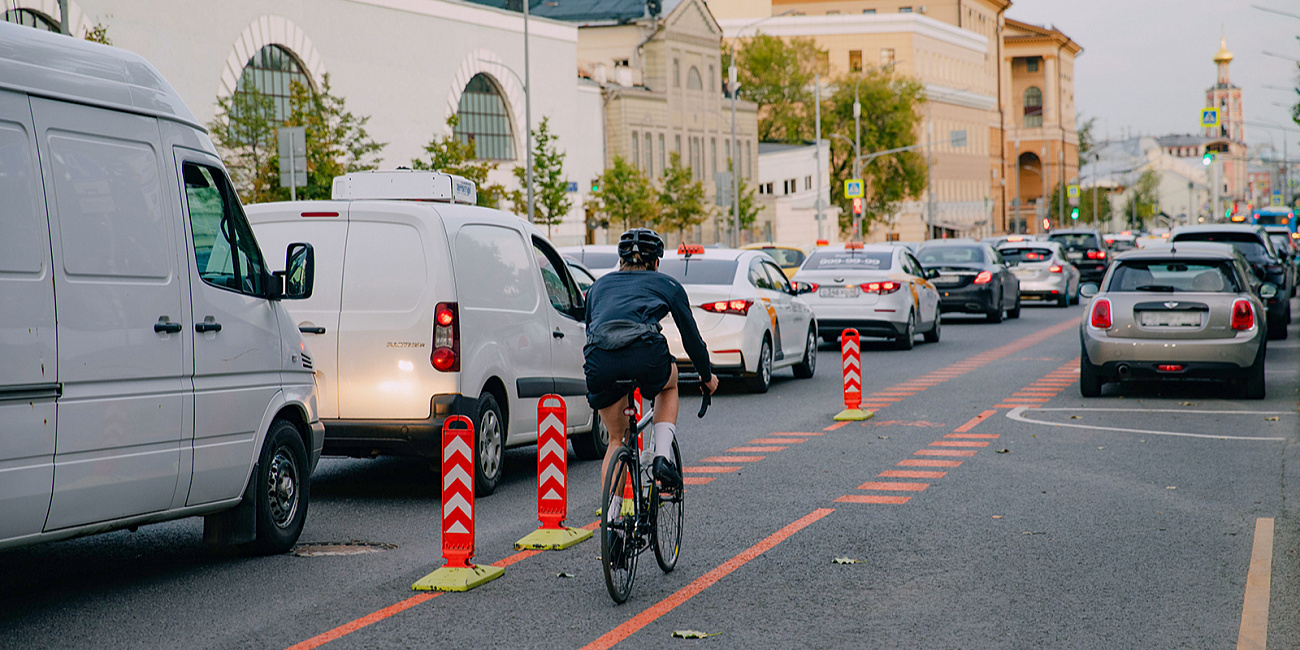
[
  {"x": 404, "y": 184},
  {"x": 1209, "y": 118},
  {"x": 690, "y": 249}
]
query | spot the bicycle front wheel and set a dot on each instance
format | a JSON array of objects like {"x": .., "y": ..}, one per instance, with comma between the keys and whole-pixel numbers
[
  {"x": 666, "y": 512},
  {"x": 618, "y": 526}
]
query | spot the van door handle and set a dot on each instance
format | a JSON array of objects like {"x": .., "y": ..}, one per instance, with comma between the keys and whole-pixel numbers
[
  {"x": 207, "y": 326},
  {"x": 165, "y": 326},
  {"x": 557, "y": 333},
  {"x": 311, "y": 330}
]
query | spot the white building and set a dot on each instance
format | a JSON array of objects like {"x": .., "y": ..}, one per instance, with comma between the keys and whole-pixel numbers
[
  {"x": 407, "y": 64},
  {"x": 787, "y": 178},
  {"x": 1182, "y": 192}
]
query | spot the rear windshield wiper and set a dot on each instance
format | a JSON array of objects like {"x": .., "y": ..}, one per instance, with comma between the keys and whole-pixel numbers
[{"x": 1156, "y": 287}]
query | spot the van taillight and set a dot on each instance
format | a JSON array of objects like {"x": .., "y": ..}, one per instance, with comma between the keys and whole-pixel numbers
[
  {"x": 1101, "y": 314},
  {"x": 1243, "y": 316},
  {"x": 446, "y": 337}
]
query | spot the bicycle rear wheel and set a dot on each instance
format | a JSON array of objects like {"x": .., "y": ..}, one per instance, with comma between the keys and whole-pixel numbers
[
  {"x": 618, "y": 526},
  {"x": 666, "y": 516}
]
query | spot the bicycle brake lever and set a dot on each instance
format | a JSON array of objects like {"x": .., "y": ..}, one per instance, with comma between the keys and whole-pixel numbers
[{"x": 704, "y": 403}]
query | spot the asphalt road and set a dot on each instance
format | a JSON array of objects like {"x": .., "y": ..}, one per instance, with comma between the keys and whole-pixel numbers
[{"x": 1120, "y": 522}]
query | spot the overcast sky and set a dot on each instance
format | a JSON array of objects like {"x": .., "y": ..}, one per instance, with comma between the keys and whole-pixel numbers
[{"x": 1146, "y": 63}]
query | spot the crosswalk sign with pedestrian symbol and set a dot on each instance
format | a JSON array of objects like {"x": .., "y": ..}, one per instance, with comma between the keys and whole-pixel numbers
[
  {"x": 1209, "y": 118},
  {"x": 853, "y": 188}
]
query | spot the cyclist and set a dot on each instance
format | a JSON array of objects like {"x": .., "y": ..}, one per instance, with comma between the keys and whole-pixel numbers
[{"x": 624, "y": 342}]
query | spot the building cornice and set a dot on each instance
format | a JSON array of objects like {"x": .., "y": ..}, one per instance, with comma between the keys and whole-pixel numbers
[
  {"x": 865, "y": 24},
  {"x": 1040, "y": 34},
  {"x": 475, "y": 14},
  {"x": 957, "y": 97}
]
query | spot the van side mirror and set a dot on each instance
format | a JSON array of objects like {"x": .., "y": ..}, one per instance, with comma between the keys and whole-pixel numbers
[{"x": 299, "y": 275}]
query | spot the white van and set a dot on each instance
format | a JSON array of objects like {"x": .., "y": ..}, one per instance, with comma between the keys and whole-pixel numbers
[
  {"x": 172, "y": 382},
  {"x": 427, "y": 306}
]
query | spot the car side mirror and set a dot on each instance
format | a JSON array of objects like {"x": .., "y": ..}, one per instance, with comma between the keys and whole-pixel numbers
[
  {"x": 801, "y": 288},
  {"x": 931, "y": 274},
  {"x": 299, "y": 275},
  {"x": 1268, "y": 291},
  {"x": 1089, "y": 290}
]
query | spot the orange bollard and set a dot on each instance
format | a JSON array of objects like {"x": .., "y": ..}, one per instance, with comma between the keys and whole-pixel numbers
[
  {"x": 552, "y": 480},
  {"x": 851, "y": 353}
]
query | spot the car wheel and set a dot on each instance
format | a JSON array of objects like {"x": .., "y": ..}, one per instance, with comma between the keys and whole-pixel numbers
[
  {"x": 932, "y": 336},
  {"x": 593, "y": 444},
  {"x": 1287, "y": 313},
  {"x": 490, "y": 429},
  {"x": 1253, "y": 386},
  {"x": 1063, "y": 300},
  {"x": 1073, "y": 295},
  {"x": 281, "y": 490},
  {"x": 761, "y": 380},
  {"x": 995, "y": 316},
  {"x": 1277, "y": 329},
  {"x": 1014, "y": 312},
  {"x": 832, "y": 339},
  {"x": 907, "y": 340},
  {"x": 1089, "y": 381},
  {"x": 805, "y": 369}
]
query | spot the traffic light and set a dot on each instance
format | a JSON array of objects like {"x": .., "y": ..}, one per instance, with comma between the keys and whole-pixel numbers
[
  {"x": 857, "y": 206},
  {"x": 595, "y": 184},
  {"x": 1074, "y": 214},
  {"x": 1207, "y": 158}
]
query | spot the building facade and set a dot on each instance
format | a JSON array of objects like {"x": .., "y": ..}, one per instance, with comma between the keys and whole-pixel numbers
[{"x": 788, "y": 191}]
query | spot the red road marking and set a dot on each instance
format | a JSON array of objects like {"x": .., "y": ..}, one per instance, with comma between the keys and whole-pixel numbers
[
  {"x": 714, "y": 469},
  {"x": 958, "y": 443},
  {"x": 936, "y": 452},
  {"x": 348, "y": 628},
  {"x": 835, "y": 426},
  {"x": 871, "y": 498},
  {"x": 1021, "y": 398},
  {"x": 777, "y": 441},
  {"x": 975, "y": 421},
  {"x": 697, "y": 480},
  {"x": 972, "y": 435},
  {"x": 893, "y": 486},
  {"x": 875, "y": 405},
  {"x": 905, "y": 473},
  {"x": 754, "y": 449},
  {"x": 1013, "y": 406},
  {"x": 736, "y": 459},
  {"x": 925, "y": 462},
  {"x": 652, "y": 613}
]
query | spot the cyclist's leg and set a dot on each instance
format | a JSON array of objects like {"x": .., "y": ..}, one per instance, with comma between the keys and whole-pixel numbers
[
  {"x": 616, "y": 424},
  {"x": 666, "y": 400},
  {"x": 665, "y": 428}
]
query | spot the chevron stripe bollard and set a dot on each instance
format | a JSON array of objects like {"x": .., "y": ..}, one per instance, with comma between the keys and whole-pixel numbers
[
  {"x": 851, "y": 353},
  {"x": 458, "y": 574},
  {"x": 552, "y": 481}
]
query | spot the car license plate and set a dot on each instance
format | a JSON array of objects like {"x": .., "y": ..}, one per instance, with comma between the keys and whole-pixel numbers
[
  {"x": 837, "y": 292},
  {"x": 947, "y": 279},
  {"x": 1075, "y": 255},
  {"x": 1171, "y": 318},
  {"x": 1025, "y": 273}
]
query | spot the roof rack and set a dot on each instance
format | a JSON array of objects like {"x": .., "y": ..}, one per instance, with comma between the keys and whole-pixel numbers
[{"x": 404, "y": 184}]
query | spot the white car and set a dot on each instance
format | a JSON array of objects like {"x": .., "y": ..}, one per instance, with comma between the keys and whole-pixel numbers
[
  {"x": 1044, "y": 271},
  {"x": 599, "y": 259},
  {"x": 747, "y": 313},
  {"x": 879, "y": 290}
]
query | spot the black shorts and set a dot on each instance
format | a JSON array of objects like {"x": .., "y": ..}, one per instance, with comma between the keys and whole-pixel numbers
[{"x": 648, "y": 363}]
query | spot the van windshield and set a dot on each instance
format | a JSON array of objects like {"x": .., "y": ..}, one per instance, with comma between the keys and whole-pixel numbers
[{"x": 700, "y": 271}]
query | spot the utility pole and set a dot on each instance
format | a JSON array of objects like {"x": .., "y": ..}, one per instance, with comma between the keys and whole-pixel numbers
[
  {"x": 1060, "y": 181},
  {"x": 735, "y": 155},
  {"x": 528, "y": 118},
  {"x": 1015, "y": 203},
  {"x": 817, "y": 152},
  {"x": 857, "y": 146},
  {"x": 1096, "y": 162},
  {"x": 929, "y": 178},
  {"x": 1214, "y": 190}
]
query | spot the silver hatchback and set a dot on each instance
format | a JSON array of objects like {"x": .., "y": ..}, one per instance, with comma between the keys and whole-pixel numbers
[{"x": 1190, "y": 312}]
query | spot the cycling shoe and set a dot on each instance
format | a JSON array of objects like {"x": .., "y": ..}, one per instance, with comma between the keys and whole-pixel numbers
[{"x": 666, "y": 473}]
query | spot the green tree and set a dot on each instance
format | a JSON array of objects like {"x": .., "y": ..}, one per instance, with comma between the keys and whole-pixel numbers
[
  {"x": 681, "y": 199},
  {"x": 1145, "y": 194},
  {"x": 447, "y": 153},
  {"x": 551, "y": 200},
  {"x": 890, "y": 119},
  {"x": 623, "y": 194},
  {"x": 778, "y": 75},
  {"x": 1085, "y": 207},
  {"x": 1086, "y": 139},
  {"x": 98, "y": 34},
  {"x": 244, "y": 131}
]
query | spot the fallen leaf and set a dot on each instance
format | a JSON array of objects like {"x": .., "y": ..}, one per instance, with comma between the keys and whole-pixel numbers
[
  {"x": 1004, "y": 451},
  {"x": 1272, "y": 419},
  {"x": 844, "y": 560},
  {"x": 887, "y": 437},
  {"x": 997, "y": 516},
  {"x": 563, "y": 575},
  {"x": 1033, "y": 533},
  {"x": 692, "y": 634},
  {"x": 1101, "y": 448},
  {"x": 1171, "y": 487},
  {"x": 1074, "y": 417}
]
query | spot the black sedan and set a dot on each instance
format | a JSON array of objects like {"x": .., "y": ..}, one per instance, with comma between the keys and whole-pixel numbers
[
  {"x": 1253, "y": 243},
  {"x": 1086, "y": 249},
  {"x": 973, "y": 278}
]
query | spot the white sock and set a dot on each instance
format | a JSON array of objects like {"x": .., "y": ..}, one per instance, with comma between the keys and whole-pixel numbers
[{"x": 663, "y": 439}]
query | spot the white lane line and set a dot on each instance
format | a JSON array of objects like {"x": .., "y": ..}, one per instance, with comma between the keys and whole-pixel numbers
[
  {"x": 1066, "y": 408},
  {"x": 1018, "y": 415},
  {"x": 1253, "y": 634}
]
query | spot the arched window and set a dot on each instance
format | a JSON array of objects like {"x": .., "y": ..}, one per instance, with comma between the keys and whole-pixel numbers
[
  {"x": 272, "y": 72},
  {"x": 1033, "y": 107},
  {"x": 484, "y": 121},
  {"x": 693, "y": 81},
  {"x": 32, "y": 18}
]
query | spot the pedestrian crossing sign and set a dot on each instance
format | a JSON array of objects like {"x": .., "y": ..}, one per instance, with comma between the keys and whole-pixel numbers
[
  {"x": 853, "y": 188},
  {"x": 1209, "y": 118}
]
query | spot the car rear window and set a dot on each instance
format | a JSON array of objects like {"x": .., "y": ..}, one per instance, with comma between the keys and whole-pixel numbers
[
  {"x": 1076, "y": 241},
  {"x": 1025, "y": 255},
  {"x": 700, "y": 271},
  {"x": 933, "y": 255},
  {"x": 853, "y": 259},
  {"x": 786, "y": 258},
  {"x": 598, "y": 260},
  {"x": 1171, "y": 276},
  {"x": 1281, "y": 242},
  {"x": 1246, "y": 243}
]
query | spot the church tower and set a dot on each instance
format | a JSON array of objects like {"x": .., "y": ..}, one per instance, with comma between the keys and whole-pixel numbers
[{"x": 1227, "y": 98}]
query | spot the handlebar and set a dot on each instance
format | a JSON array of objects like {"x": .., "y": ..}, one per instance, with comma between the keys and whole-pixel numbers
[{"x": 704, "y": 403}]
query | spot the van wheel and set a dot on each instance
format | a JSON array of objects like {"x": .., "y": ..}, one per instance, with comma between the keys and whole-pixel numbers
[
  {"x": 592, "y": 445},
  {"x": 280, "y": 490},
  {"x": 806, "y": 368},
  {"x": 762, "y": 377},
  {"x": 490, "y": 429}
]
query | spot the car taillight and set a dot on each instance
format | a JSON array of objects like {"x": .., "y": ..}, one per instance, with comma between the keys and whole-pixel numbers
[
  {"x": 1096, "y": 255},
  {"x": 1243, "y": 316},
  {"x": 808, "y": 287},
  {"x": 984, "y": 277},
  {"x": 446, "y": 337},
  {"x": 1055, "y": 268},
  {"x": 737, "y": 307},
  {"x": 882, "y": 288},
  {"x": 1101, "y": 314}
]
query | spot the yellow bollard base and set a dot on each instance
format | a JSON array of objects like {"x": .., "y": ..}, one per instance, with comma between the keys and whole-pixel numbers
[
  {"x": 853, "y": 415},
  {"x": 553, "y": 539},
  {"x": 458, "y": 578}
]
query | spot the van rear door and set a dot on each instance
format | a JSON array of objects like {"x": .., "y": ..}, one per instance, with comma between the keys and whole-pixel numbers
[{"x": 119, "y": 295}]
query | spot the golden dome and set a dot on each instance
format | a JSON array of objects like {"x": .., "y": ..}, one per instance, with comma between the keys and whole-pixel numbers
[{"x": 1223, "y": 56}]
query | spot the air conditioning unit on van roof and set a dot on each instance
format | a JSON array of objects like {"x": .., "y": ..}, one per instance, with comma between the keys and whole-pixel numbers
[{"x": 404, "y": 184}]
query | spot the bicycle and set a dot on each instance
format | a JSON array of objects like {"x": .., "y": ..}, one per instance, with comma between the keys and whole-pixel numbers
[{"x": 649, "y": 514}]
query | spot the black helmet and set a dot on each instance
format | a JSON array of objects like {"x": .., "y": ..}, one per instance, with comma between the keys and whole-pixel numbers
[{"x": 642, "y": 243}]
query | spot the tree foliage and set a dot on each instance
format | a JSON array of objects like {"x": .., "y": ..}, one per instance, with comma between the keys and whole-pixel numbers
[
  {"x": 446, "y": 153},
  {"x": 1145, "y": 193},
  {"x": 778, "y": 75},
  {"x": 624, "y": 195},
  {"x": 681, "y": 200},
  {"x": 1086, "y": 139},
  {"x": 551, "y": 200},
  {"x": 1086, "y": 215},
  {"x": 244, "y": 130},
  {"x": 98, "y": 33}
]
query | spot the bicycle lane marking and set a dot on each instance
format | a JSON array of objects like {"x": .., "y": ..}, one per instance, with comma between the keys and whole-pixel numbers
[{"x": 657, "y": 610}]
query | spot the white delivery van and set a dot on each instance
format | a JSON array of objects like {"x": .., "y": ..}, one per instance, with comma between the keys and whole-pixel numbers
[
  {"x": 425, "y": 306},
  {"x": 172, "y": 382}
]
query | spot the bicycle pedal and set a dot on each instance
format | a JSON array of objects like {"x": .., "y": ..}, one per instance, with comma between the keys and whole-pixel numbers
[{"x": 628, "y": 509}]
